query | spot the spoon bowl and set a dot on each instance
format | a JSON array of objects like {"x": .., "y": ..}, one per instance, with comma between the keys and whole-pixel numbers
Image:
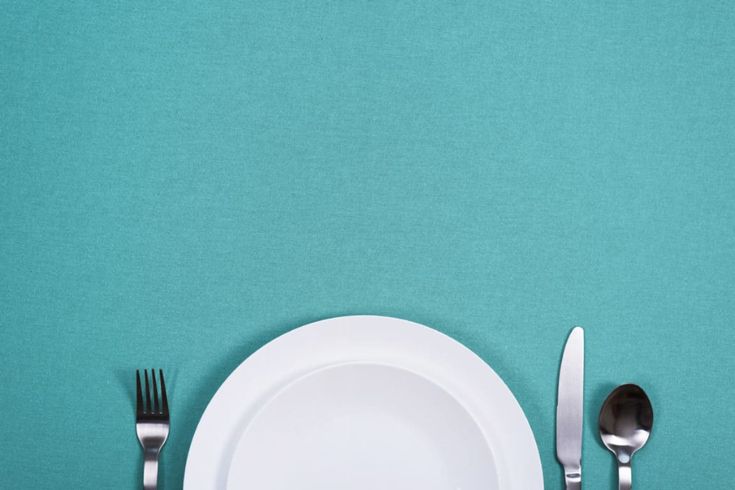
[{"x": 626, "y": 420}]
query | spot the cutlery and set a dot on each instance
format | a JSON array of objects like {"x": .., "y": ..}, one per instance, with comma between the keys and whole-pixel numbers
[
  {"x": 569, "y": 405},
  {"x": 626, "y": 420},
  {"x": 151, "y": 424}
]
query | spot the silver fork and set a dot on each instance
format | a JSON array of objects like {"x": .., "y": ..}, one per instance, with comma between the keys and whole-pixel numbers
[{"x": 151, "y": 425}]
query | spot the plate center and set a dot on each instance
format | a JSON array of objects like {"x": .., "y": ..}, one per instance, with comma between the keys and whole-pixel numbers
[{"x": 363, "y": 426}]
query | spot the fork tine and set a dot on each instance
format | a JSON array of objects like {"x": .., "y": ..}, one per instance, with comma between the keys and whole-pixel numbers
[
  {"x": 164, "y": 400},
  {"x": 147, "y": 393},
  {"x": 155, "y": 392},
  {"x": 138, "y": 394}
]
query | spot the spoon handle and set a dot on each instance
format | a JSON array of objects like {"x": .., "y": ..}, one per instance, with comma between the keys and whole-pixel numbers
[{"x": 625, "y": 476}]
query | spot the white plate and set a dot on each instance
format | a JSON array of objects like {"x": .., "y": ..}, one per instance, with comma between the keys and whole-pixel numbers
[{"x": 363, "y": 402}]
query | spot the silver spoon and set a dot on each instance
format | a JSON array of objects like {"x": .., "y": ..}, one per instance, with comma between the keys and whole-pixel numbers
[{"x": 626, "y": 419}]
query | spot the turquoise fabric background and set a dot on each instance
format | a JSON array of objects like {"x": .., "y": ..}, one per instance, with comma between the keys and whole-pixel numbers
[{"x": 180, "y": 184}]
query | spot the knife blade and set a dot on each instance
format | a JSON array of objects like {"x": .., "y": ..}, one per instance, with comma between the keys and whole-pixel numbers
[{"x": 569, "y": 409}]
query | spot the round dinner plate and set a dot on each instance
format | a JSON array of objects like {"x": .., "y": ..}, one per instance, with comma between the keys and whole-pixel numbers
[{"x": 363, "y": 402}]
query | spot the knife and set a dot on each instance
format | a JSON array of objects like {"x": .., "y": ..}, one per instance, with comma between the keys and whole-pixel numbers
[{"x": 569, "y": 406}]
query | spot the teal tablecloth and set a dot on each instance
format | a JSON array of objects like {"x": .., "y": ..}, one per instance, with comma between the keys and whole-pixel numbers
[{"x": 181, "y": 183}]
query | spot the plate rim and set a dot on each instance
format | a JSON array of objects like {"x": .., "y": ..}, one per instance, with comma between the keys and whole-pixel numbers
[{"x": 214, "y": 431}]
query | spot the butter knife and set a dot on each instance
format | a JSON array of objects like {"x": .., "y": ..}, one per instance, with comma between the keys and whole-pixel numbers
[{"x": 569, "y": 409}]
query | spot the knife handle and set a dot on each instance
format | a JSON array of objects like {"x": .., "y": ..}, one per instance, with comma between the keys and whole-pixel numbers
[{"x": 573, "y": 478}]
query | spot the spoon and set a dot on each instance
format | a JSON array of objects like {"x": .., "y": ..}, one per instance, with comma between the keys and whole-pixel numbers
[{"x": 626, "y": 419}]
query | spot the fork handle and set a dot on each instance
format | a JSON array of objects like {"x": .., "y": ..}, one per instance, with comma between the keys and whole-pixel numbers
[{"x": 150, "y": 469}]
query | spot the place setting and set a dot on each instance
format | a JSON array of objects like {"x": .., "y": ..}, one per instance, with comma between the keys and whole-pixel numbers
[{"x": 375, "y": 402}]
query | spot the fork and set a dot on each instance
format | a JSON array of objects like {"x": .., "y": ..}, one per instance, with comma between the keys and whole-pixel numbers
[{"x": 151, "y": 425}]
